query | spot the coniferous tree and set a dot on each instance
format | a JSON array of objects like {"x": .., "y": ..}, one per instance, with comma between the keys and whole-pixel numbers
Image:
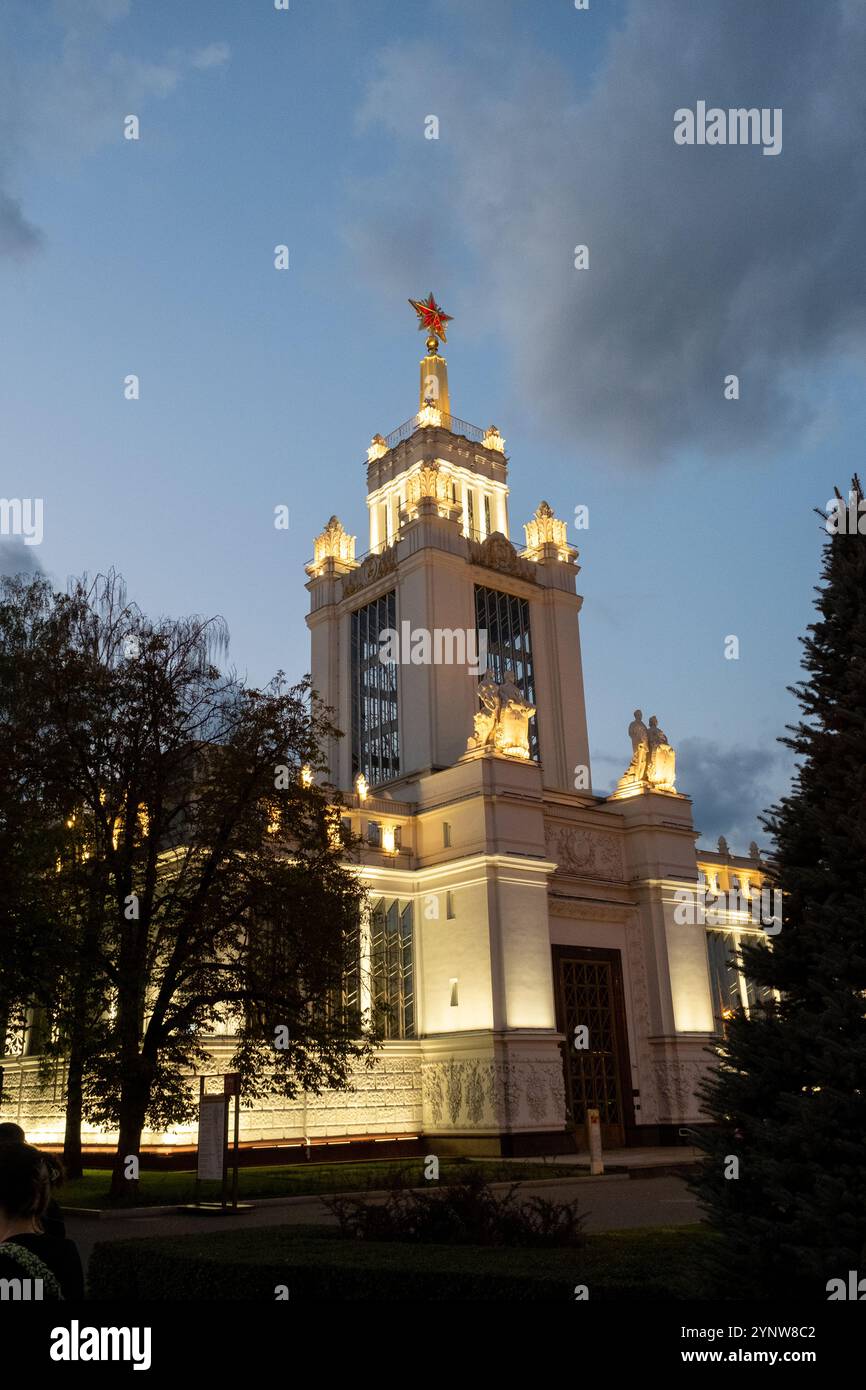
[{"x": 789, "y": 1098}]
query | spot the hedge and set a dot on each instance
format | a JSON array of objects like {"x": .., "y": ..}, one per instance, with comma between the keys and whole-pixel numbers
[{"x": 315, "y": 1264}]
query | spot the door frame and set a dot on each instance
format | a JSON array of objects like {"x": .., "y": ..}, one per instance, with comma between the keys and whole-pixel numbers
[{"x": 613, "y": 957}]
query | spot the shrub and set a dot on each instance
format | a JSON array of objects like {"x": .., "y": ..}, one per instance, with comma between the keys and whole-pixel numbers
[{"x": 465, "y": 1213}]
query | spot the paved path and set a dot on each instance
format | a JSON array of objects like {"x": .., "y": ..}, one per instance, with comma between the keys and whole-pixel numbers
[
  {"x": 655, "y": 1157},
  {"x": 610, "y": 1204}
]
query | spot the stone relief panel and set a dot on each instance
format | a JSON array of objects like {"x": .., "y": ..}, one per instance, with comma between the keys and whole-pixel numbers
[
  {"x": 584, "y": 853},
  {"x": 478, "y": 1094},
  {"x": 677, "y": 1085},
  {"x": 433, "y": 1093},
  {"x": 453, "y": 1090}
]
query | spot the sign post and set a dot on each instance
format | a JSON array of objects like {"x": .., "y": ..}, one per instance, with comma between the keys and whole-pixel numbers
[{"x": 213, "y": 1132}]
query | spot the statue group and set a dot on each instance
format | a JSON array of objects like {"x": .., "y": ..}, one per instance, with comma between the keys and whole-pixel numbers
[
  {"x": 502, "y": 723},
  {"x": 653, "y": 761}
]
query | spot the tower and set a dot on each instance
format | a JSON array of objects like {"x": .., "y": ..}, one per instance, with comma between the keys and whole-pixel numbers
[
  {"x": 440, "y": 561},
  {"x": 454, "y": 822},
  {"x": 522, "y": 929}
]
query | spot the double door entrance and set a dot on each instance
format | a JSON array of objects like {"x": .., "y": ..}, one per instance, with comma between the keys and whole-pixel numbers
[{"x": 590, "y": 1011}]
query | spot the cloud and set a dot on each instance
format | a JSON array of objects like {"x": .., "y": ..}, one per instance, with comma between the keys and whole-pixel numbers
[
  {"x": 18, "y": 237},
  {"x": 213, "y": 56},
  {"x": 18, "y": 558},
  {"x": 64, "y": 95},
  {"x": 704, "y": 261},
  {"x": 730, "y": 788}
]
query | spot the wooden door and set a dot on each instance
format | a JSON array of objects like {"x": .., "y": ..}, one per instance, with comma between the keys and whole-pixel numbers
[{"x": 589, "y": 993}]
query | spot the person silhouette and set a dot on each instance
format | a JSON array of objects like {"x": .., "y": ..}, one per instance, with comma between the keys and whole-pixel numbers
[
  {"x": 52, "y": 1218},
  {"x": 26, "y": 1250}
]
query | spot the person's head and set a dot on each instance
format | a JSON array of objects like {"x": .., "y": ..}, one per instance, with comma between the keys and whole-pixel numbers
[
  {"x": 25, "y": 1183},
  {"x": 11, "y": 1134},
  {"x": 638, "y": 714}
]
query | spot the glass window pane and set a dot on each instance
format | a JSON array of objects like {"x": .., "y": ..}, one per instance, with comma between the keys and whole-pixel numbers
[{"x": 375, "y": 729}]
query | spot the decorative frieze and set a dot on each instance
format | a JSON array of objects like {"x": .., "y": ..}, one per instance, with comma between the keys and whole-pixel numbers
[
  {"x": 385, "y": 1100},
  {"x": 583, "y": 853},
  {"x": 373, "y": 568},
  {"x": 481, "y": 1094},
  {"x": 677, "y": 1083}
]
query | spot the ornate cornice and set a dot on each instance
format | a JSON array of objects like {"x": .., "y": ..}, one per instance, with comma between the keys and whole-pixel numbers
[{"x": 497, "y": 553}]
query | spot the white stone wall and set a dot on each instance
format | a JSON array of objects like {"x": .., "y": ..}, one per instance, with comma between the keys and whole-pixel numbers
[
  {"x": 36, "y": 1106},
  {"x": 385, "y": 1100}
]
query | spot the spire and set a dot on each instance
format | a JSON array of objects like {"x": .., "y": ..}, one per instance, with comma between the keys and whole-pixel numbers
[{"x": 433, "y": 390}]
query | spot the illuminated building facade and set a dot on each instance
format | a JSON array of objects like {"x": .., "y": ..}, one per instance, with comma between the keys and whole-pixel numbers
[
  {"x": 525, "y": 932},
  {"x": 539, "y": 907}
]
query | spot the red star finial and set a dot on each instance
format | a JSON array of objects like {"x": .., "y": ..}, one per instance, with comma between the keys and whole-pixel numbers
[{"x": 431, "y": 319}]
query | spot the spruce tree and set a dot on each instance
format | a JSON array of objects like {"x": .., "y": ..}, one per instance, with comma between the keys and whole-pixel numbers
[{"x": 789, "y": 1098}]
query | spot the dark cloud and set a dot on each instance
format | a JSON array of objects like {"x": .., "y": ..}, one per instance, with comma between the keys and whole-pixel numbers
[
  {"x": 18, "y": 558},
  {"x": 704, "y": 261},
  {"x": 18, "y": 237},
  {"x": 730, "y": 788}
]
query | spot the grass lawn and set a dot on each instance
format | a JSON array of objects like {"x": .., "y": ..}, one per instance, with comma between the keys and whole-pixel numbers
[
  {"x": 298, "y": 1180},
  {"x": 315, "y": 1264}
]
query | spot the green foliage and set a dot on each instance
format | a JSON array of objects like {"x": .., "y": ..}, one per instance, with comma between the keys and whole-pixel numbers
[
  {"x": 315, "y": 1264},
  {"x": 186, "y": 877},
  {"x": 39, "y": 909},
  {"x": 789, "y": 1099}
]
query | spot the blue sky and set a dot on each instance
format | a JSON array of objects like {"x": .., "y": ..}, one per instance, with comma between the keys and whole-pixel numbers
[{"x": 261, "y": 388}]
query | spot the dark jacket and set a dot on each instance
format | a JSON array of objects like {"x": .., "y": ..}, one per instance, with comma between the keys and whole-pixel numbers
[{"x": 59, "y": 1255}]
